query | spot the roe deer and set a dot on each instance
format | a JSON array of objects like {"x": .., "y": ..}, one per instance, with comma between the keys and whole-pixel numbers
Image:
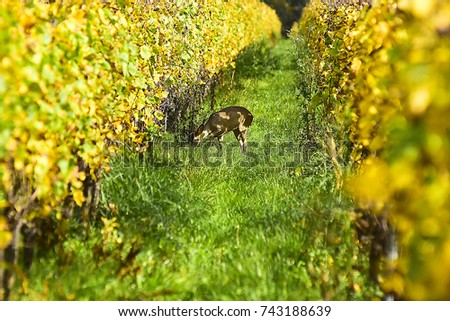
[{"x": 234, "y": 118}]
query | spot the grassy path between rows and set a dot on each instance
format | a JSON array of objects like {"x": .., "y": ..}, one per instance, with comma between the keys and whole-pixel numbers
[{"x": 265, "y": 226}]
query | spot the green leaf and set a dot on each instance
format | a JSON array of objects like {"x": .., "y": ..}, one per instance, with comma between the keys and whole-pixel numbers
[
  {"x": 132, "y": 69},
  {"x": 145, "y": 52},
  {"x": 124, "y": 57}
]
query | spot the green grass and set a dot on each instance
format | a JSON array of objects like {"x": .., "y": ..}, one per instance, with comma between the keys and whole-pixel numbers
[{"x": 270, "y": 225}]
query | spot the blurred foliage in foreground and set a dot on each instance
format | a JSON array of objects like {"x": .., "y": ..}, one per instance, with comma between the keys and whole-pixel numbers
[{"x": 384, "y": 77}]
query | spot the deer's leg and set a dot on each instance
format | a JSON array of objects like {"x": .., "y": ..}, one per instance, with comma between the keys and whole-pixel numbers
[
  {"x": 220, "y": 140},
  {"x": 241, "y": 137},
  {"x": 244, "y": 141}
]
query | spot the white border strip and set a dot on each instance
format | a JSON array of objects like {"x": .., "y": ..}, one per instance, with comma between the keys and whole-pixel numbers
[{"x": 224, "y": 310}]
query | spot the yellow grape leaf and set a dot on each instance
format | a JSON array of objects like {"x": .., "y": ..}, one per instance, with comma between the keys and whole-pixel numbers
[
  {"x": 78, "y": 197},
  {"x": 419, "y": 100}
]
